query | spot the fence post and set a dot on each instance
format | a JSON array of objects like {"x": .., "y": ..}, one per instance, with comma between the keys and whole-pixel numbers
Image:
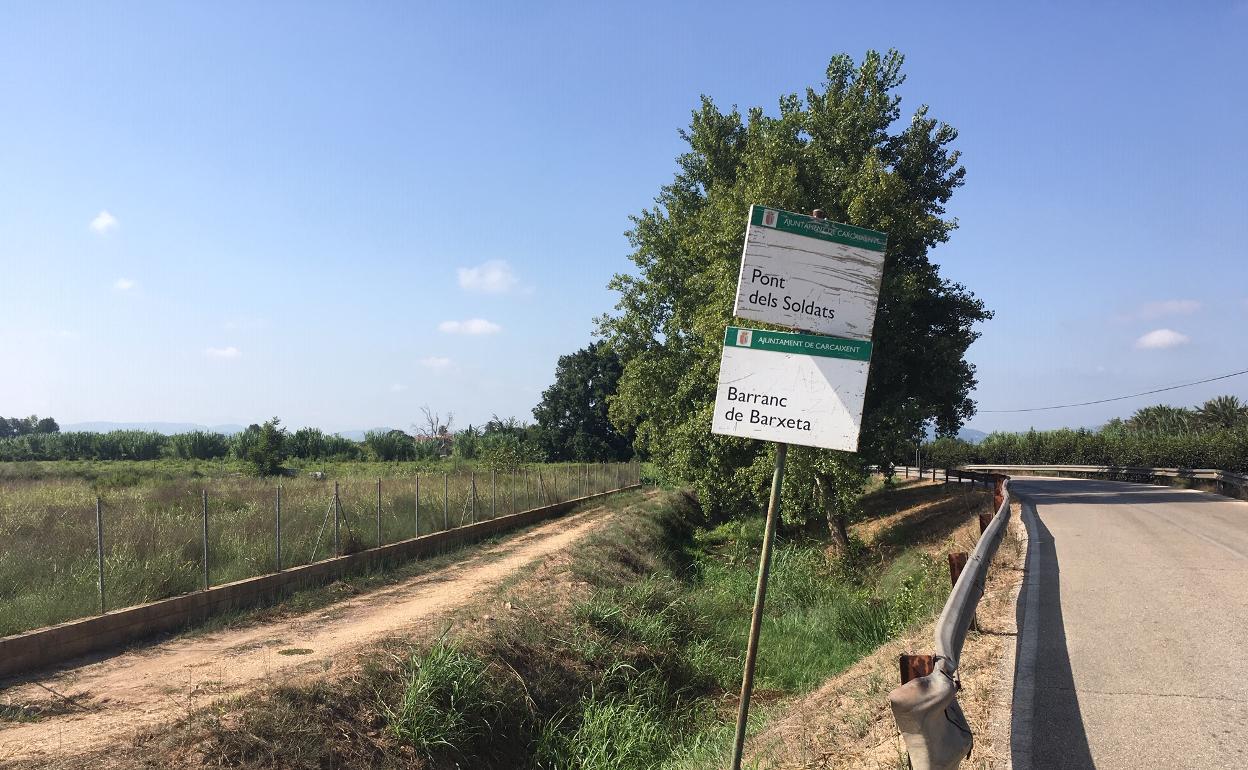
[
  {"x": 472, "y": 492},
  {"x": 99, "y": 547},
  {"x": 618, "y": 469},
  {"x": 205, "y": 509},
  {"x": 493, "y": 494},
  {"x": 337, "y": 516},
  {"x": 277, "y": 536},
  {"x": 417, "y": 505},
  {"x": 587, "y": 487},
  {"x": 446, "y": 503},
  {"x": 378, "y": 511}
]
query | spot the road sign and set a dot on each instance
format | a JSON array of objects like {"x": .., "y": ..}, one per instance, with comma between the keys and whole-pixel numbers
[
  {"x": 794, "y": 388},
  {"x": 810, "y": 274}
]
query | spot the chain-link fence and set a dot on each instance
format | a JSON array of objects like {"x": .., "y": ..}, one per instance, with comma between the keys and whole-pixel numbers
[{"x": 68, "y": 551}]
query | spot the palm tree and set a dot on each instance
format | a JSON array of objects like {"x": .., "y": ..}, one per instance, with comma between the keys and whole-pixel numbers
[
  {"x": 1162, "y": 419},
  {"x": 1223, "y": 412}
]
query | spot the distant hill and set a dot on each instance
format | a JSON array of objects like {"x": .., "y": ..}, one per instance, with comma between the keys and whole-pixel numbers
[
  {"x": 969, "y": 435},
  {"x": 168, "y": 428},
  {"x": 358, "y": 435}
]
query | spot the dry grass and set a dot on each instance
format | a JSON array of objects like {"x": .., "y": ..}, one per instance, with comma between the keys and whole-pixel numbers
[{"x": 153, "y": 530}]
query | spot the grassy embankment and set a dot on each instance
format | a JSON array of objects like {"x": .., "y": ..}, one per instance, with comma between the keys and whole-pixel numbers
[
  {"x": 626, "y": 656},
  {"x": 153, "y": 522}
]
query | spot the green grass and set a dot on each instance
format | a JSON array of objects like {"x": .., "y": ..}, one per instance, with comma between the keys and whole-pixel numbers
[
  {"x": 638, "y": 675},
  {"x": 153, "y": 524}
]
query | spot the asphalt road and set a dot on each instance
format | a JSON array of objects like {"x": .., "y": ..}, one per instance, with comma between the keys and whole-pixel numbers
[{"x": 1133, "y": 628}]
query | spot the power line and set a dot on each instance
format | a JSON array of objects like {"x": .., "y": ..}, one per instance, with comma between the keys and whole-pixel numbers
[{"x": 1115, "y": 398}]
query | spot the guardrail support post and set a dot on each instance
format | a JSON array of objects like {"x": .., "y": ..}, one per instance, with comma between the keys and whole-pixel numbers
[
  {"x": 915, "y": 666},
  {"x": 984, "y": 520},
  {"x": 957, "y": 563},
  {"x": 998, "y": 492}
]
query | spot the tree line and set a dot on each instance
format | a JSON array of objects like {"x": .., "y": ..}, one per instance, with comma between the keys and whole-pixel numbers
[
  {"x": 1213, "y": 435},
  {"x": 27, "y": 426},
  {"x": 571, "y": 425}
]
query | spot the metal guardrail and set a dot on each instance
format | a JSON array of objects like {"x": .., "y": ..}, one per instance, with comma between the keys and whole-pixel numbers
[
  {"x": 950, "y": 475},
  {"x": 1228, "y": 478},
  {"x": 925, "y": 708}
]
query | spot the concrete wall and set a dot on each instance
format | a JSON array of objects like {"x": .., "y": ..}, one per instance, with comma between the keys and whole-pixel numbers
[{"x": 22, "y": 653}]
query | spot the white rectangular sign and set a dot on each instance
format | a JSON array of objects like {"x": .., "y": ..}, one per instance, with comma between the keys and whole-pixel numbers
[
  {"x": 795, "y": 388},
  {"x": 811, "y": 274}
]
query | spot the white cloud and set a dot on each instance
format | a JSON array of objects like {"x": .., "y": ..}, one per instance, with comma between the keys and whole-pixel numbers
[
  {"x": 492, "y": 277},
  {"x": 436, "y": 363},
  {"x": 226, "y": 352},
  {"x": 124, "y": 284},
  {"x": 471, "y": 326},
  {"x": 1161, "y": 338},
  {"x": 1161, "y": 309},
  {"x": 1170, "y": 307},
  {"x": 397, "y": 388},
  {"x": 104, "y": 222}
]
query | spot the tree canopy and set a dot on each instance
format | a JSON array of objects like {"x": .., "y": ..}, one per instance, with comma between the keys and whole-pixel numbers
[
  {"x": 842, "y": 149},
  {"x": 27, "y": 426},
  {"x": 572, "y": 418}
]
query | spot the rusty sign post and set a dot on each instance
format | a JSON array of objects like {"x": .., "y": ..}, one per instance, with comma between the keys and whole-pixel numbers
[{"x": 822, "y": 280}]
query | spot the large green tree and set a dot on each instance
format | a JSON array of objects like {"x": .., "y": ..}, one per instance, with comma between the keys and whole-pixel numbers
[
  {"x": 572, "y": 420},
  {"x": 842, "y": 148}
]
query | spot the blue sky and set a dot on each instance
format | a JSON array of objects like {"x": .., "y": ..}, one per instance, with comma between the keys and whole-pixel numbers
[{"x": 339, "y": 212}]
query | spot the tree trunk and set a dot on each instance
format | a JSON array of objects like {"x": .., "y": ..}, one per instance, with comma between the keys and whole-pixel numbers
[{"x": 837, "y": 526}]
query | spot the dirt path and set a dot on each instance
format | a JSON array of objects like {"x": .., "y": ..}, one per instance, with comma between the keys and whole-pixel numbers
[{"x": 144, "y": 687}]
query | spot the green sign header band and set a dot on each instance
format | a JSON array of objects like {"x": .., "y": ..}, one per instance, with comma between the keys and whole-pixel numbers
[
  {"x": 824, "y": 229},
  {"x": 791, "y": 342}
]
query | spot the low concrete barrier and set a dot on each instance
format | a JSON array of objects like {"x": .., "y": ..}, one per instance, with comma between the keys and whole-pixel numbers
[{"x": 25, "y": 652}]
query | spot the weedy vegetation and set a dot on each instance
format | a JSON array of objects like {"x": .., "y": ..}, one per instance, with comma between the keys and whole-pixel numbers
[{"x": 635, "y": 665}]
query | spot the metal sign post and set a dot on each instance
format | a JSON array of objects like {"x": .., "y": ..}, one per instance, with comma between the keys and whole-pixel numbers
[
  {"x": 804, "y": 386},
  {"x": 760, "y": 596}
]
